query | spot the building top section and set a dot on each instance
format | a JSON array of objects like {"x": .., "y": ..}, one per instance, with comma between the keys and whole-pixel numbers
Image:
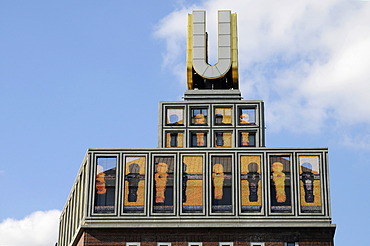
[{"x": 201, "y": 74}]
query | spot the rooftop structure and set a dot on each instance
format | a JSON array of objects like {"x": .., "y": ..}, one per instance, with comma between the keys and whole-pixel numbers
[{"x": 211, "y": 181}]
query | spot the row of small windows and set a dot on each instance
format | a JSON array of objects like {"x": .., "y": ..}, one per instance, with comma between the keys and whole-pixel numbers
[
  {"x": 199, "y": 116},
  {"x": 219, "y": 244},
  {"x": 221, "y": 177},
  {"x": 220, "y": 139}
]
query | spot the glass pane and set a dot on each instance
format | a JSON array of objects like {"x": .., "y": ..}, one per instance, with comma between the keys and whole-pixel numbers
[
  {"x": 247, "y": 116},
  {"x": 192, "y": 184},
  {"x": 223, "y": 116},
  {"x": 105, "y": 184},
  {"x": 198, "y": 139},
  {"x": 134, "y": 185},
  {"x": 250, "y": 178},
  {"x": 223, "y": 139},
  {"x": 280, "y": 184},
  {"x": 174, "y": 139},
  {"x": 199, "y": 116},
  {"x": 247, "y": 139},
  {"x": 310, "y": 184},
  {"x": 163, "y": 184},
  {"x": 221, "y": 184},
  {"x": 175, "y": 116}
]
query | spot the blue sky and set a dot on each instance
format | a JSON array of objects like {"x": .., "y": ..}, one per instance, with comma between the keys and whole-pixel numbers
[{"x": 89, "y": 74}]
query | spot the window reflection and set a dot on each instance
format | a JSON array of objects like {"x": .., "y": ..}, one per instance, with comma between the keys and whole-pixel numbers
[
  {"x": 198, "y": 139},
  {"x": 247, "y": 116},
  {"x": 175, "y": 116},
  {"x": 192, "y": 184},
  {"x": 134, "y": 185},
  {"x": 199, "y": 116},
  {"x": 310, "y": 184},
  {"x": 280, "y": 184},
  {"x": 105, "y": 185},
  {"x": 163, "y": 185},
  {"x": 247, "y": 139},
  {"x": 223, "y": 116},
  {"x": 251, "y": 197},
  {"x": 223, "y": 139},
  {"x": 221, "y": 184}
]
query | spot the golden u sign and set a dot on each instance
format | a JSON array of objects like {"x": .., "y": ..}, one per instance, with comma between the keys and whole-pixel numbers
[{"x": 222, "y": 75}]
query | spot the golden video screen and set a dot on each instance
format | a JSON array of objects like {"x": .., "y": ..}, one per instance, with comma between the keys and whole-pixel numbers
[
  {"x": 251, "y": 184},
  {"x": 223, "y": 116},
  {"x": 280, "y": 184},
  {"x": 163, "y": 184},
  {"x": 221, "y": 188},
  {"x": 192, "y": 184},
  {"x": 134, "y": 184},
  {"x": 310, "y": 184}
]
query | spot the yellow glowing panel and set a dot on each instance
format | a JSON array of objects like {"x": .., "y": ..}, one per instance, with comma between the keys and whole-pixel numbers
[
  {"x": 193, "y": 181},
  {"x": 225, "y": 114},
  {"x": 310, "y": 183},
  {"x": 134, "y": 177},
  {"x": 251, "y": 180},
  {"x": 179, "y": 140}
]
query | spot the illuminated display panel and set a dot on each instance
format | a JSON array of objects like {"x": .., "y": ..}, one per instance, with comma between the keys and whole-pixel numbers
[
  {"x": 174, "y": 139},
  {"x": 163, "y": 184},
  {"x": 223, "y": 116},
  {"x": 247, "y": 139},
  {"x": 247, "y": 116},
  {"x": 198, "y": 139},
  {"x": 192, "y": 184},
  {"x": 199, "y": 116},
  {"x": 175, "y": 116},
  {"x": 134, "y": 185},
  {"x": 221, "y": 184},
  {"x": 310, "y": 184},
  {"x": 223, "y": 139},
  {"x": 105, "y": 185},
  {"x": 280, "y": 184},
  {"x": 251, "y": 184}
]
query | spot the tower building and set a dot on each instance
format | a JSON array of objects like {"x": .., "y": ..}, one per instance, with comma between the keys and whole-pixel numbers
[{"x": 211, "y": 181}]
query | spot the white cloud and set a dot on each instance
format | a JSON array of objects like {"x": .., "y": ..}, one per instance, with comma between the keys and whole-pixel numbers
[
  {"x": 38, "y": 229},
  {"x": 308, "y": 60}
]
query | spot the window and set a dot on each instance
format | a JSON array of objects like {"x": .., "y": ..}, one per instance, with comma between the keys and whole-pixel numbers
[
  {"x": 280, "y": 193},
  {"x": 223, "y": 139},
  {"x": 163, "y": 184},
  {"x": 198, "y": 139},
  {"x": 247, "y": 139},
  {"x": 175, "y": 116},
  {"x": 250, "y": 184},
  {"x": 105, "y": 184},
  {"x": 257, "y": 244},
  {"x": 132, "y": 244},
  {"x": 174, "y": 139},
  {"x": 163, "y": 244},
  {"x": 247, "y": 116},
  {"x": 225, "y": 244},
  {"x": 223, "y": 116},
  {"x": 199, "y": 116},
  {"x": 194, "y": 244},
  {"x": 192, "y": 184},
  {"x": 134, "y": 184},
  {"x": 221, "y": 189},
  {"x": 291, "y": 244}
]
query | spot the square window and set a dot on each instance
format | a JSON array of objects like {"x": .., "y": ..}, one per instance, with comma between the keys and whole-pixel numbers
[
  {"x": 247, "y": 139},
  {"x": 291, "y": 244},
  {"x": 223, "y": 116},
  {"x": 247, "y": 116},
  {"x": 174, "y": 139},
  {"x": 175, "y": 116},
  {"x": 199, "y": 116},
  {"x": 198, "y": 139},
  {"x": 223, "y": 139}
]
